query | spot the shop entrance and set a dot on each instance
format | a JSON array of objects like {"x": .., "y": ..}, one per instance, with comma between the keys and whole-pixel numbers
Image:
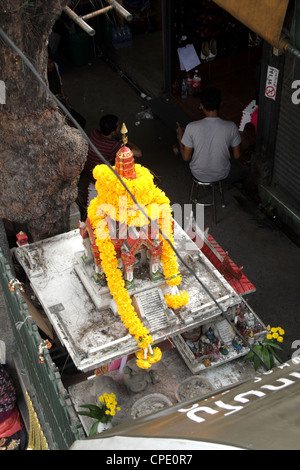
[
  {"x": 229, "y": 55},
  {"x": 135, "y": 48},
  {"x": 145, "y": 52}
]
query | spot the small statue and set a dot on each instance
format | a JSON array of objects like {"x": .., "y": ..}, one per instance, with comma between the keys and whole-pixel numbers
[
  {"x": 237, "y": 343},
  {"x": 207, "y": 362},
  {"x": 251, "y": 338},
  {"x": 241, "y": 319},
  {"x": 251, "y": 321},
  {"x": 223, "y": 349},
  {"x": 210, "y": 334},
  {"x": 204, "y": 340},
  {"x": 135, "y": 379}
]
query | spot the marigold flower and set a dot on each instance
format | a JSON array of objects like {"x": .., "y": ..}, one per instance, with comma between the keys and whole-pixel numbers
[
  {"x": 177, "y": 300},
  {"x": 113, "y": 200}
]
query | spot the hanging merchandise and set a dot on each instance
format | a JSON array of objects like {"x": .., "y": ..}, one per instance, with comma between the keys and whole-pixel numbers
[
  {"x": 189, "y": 85},
  {"x": 121, "y": 37},
  {"x": 184, "y": 90},
  {"x": 196, "y": 83}
]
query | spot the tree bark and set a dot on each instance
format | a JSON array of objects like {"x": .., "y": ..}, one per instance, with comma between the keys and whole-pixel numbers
[{"x": 41, "y": 156}]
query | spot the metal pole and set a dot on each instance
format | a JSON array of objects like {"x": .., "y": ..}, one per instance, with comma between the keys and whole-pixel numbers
[
  {"x": 83, "y": 25},
  {"x": 121, "y": 10},
  {"x": 286, "y": 46},
  {"x": 96, "y": 13}
]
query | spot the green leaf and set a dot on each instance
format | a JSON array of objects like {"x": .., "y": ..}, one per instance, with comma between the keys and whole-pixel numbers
[
  {"x": 273, "y": 345},
  {"x": 90, "y": 407},
  {"x": 85, "y": 413},
  {"x": 256, "y": 362},
  {"x": 267, "y": 358},
  {"x": 94, "y": 411},
  {"x": 94, "y": 429},
  {"x": 258, "y": 348},
  {"x": 249, "y": 355},
  {"x": 278, "y": 358}
]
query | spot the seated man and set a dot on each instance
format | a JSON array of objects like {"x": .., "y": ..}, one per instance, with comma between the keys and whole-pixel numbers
[
  {"x": 206, "y": 143},
  {"x": 107, "y": 142}
]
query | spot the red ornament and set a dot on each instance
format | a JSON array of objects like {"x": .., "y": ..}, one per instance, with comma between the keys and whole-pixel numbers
[{"x": 22, "y": 239}]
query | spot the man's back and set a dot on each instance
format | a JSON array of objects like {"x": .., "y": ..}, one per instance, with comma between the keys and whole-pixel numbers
[{"x": 211, "y": 139}]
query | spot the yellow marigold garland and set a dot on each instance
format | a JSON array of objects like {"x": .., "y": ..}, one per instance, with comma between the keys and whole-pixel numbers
[
  {"x": 177, "y": 300},
  {"x": 120, "y": 294},
  {"x": 152, "y": 356},
  {"x": 113, "y": 200}
]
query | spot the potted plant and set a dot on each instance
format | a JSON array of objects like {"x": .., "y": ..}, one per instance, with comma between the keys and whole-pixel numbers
[
  {"x": 102, "y": 413},
  {"x": 266, "y": 349}
]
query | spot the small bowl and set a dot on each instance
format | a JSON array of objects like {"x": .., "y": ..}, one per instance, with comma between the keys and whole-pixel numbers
[{"x": 193, "y": 387}]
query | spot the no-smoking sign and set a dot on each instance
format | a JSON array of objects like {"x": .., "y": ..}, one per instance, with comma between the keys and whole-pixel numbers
[
  {"x": 271, "y": 82},
  {"x": 270, "y": 91}
]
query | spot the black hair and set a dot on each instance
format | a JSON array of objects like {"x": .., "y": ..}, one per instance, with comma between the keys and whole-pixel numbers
[
  {"x": 108, "y": 124},
  {"x": 210, "y": 98}
]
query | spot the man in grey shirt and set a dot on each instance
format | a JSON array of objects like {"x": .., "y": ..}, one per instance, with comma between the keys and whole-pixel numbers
[{"x": 206, "y": 143}]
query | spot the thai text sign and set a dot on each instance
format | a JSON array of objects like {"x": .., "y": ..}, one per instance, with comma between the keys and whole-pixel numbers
[{"x": 271, "y": 82}]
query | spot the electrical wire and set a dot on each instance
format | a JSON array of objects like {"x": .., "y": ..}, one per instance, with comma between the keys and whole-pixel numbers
[{"x": 68, "y": 114}]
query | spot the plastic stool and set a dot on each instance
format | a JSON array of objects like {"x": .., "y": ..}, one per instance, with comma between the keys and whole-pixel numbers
[{"x": 213, "y": 186}]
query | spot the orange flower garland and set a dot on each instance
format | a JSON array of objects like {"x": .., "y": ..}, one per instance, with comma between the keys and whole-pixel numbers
[
  {"x": 113, "y": 200},
  {"x": 177, "y": 300}
]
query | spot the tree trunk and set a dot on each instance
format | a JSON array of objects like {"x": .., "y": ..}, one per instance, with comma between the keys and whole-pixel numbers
[{"x": 41, "y": 156}]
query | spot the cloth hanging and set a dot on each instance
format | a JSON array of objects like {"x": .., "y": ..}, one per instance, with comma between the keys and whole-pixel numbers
[{"x": 264, "y": 17}]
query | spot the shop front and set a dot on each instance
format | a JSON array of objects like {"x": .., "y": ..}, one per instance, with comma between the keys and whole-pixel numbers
[{"x": 249, "y": 50}]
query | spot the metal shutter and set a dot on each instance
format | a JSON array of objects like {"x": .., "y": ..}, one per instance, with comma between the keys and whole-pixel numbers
[{"x": 286, "y": 174}]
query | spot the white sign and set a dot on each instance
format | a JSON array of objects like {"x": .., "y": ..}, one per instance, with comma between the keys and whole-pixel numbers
[
  {"x": 188, "y": 57},
  {"x": 271, "y": 82},
  {"x": 2, "y": 92},
  {"x": 295, "y": 94},
  {"x": 225, "y": 332}
]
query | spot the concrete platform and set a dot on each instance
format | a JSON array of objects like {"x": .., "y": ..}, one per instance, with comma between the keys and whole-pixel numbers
[
  {"x": 83, "y": 313},
  {"x": 170, "y": 372}
]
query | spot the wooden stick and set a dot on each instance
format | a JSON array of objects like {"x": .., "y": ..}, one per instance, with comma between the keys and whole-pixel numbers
[
  {"x": 121, "y": 10},
  {"x": 83, "y": 25},
  {"x": 96, "y": 13}
]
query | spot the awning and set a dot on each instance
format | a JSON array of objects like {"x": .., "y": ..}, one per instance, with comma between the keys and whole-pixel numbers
[
  {"x": 260, "y": 414},
  {"x": 264, "y": 17}
]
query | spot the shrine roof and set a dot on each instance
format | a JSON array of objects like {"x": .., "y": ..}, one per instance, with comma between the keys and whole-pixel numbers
[{"x": 224, "y": 264}]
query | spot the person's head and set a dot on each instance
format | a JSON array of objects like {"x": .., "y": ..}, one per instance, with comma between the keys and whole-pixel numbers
[
  {"x": 109, "y": 124},
  {"x": 210, "y": 98}
]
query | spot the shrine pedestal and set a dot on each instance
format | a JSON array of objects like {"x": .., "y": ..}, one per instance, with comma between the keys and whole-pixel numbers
[{"x": 84, "y": 315}]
